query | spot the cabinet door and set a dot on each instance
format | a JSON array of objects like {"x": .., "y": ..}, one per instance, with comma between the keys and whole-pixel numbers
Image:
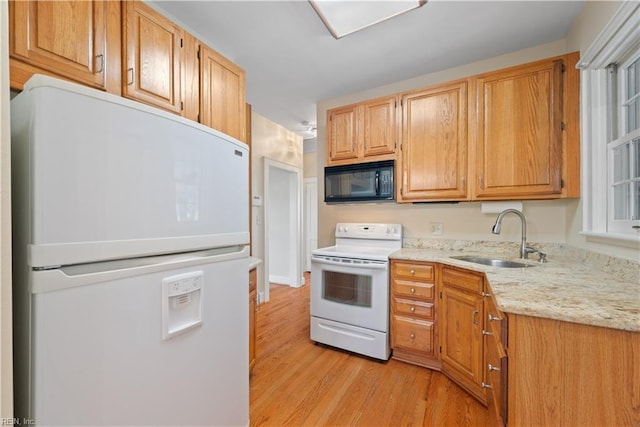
[
  {"x": 434, "y": 144},
  {"x": 191, "y": 77},
  {"x": 496, "y": 379},
  {"x": 342, "y": 129},
  {"x": 222, "y": 90},
  {"x": 519, "y": 132},
  {"x": 461, "y": 338},
  {"x": 67, "y": 38},
  {"x": 152, "y": 50},
  {"x": 379, "y": 127}
]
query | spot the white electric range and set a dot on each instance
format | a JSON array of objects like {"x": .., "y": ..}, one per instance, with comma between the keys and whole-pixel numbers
[{"x": 350, "y": 288}]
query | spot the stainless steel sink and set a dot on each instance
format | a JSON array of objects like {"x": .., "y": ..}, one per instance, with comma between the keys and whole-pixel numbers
[{"x": 494, "y": 262}]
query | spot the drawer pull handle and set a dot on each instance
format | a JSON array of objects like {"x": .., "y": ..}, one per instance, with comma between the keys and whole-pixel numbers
[
  {"x": 486, "y": 332},
  {"x": 412, "y": 309},
  {"x": 412, "y": 336},
  {"x": 485, "y": 385},
  {"x": 492, "y": 318},
  {"x": 493, "y": 368}
]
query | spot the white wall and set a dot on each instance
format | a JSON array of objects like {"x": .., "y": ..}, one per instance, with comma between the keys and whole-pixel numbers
[
  {"x": 310, "y": 166},
  {"x": 586, "y": 27},
  {"x": 279, "y": 225},
  {"x": 268, "y": 139},
  {"x": 555, "y": 221},
  {"x": 6, "y": 364}
]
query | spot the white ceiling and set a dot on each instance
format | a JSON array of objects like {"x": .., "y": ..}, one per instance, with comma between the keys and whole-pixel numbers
[{"x": 292, "y": 61}]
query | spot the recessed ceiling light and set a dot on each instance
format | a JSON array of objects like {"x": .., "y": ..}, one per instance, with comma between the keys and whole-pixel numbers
[{"x": 347, "y": 17}]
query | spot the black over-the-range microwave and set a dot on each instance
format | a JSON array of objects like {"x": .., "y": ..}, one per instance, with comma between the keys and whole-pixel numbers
[{"x": 360, "y": 182}]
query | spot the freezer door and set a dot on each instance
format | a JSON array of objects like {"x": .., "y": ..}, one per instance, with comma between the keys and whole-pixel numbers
[
  {"x": 100, "y": 355},
  {"x": 105, "y": 177}
]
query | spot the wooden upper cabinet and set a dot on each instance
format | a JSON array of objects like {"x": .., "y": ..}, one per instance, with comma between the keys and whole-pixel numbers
[
  {"x": 342, "y": 129},
  {"x": 191, "y": 77},
  {"x": 519, "y": 123},
  {"x": 66, "y": 38},
  {"x": 364, "y": 132},
  {"x": 434, "y": 144},
  {"x": 152, "y": 57},
  {"x": 379, "y": 127},
  {"x": 222, "y": 94}
]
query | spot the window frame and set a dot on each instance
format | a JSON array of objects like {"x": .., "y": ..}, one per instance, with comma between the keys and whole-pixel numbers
[
  {"x": 616, "y": 42},
  {"x": 619, "y": 137}
]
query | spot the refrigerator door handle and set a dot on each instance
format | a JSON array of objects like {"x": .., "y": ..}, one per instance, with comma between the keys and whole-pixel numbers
[{"x": 88, "y": 274}]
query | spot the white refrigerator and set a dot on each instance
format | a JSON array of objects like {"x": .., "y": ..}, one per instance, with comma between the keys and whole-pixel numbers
[{"x": 130, "y": 263}]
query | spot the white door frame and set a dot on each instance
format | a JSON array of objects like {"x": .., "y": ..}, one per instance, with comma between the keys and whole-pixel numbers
[
  {"x": 310, "y": 222},
  {"x": 295, "y": 237}
]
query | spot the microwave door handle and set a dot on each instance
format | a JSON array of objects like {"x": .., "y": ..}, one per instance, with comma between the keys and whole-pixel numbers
[{"x": 377, "y": 183}]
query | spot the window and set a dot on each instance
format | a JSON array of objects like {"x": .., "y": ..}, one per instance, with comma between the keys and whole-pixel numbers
[
  {"x": 611, "y": 129},
  {"x": 623, "y": 147}
]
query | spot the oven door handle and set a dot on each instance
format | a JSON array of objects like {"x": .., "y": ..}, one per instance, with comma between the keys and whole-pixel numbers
[{"x": 377, "y": 265}]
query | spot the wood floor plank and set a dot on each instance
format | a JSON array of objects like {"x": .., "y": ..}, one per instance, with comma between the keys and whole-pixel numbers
[{"x": 298, "y": 383}]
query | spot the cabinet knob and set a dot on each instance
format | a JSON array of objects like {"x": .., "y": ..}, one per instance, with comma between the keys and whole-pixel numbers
[
  {"x": 486, "y": 332},
  {"x": 485, "y": 385},
  {"x": 412, "y": 309},
  {"x": 413, "y": 291},
  {"x": 493, "y": 368},
  {"x": 412, "y": 272},
  {"x": 412, "y": 336}
]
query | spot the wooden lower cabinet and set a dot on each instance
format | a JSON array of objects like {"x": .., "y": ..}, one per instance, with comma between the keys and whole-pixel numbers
[
  {"x": 529, "y": 371},
  {"x": 569, "y": 374},
  {"x": 413, "y": 313},
  {"x": 461, "y": 326},
  {"x": 495, "y": 362},
  {"x": 253, "y": 282}
]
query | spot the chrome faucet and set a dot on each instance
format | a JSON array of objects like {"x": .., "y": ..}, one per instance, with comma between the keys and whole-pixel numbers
[{"x": 524, "y": 249}]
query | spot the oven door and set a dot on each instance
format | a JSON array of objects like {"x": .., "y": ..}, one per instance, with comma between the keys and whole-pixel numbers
[{"x": 355, "y": 292}]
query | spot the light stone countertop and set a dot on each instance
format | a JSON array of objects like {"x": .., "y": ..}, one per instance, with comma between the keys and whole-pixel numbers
[
  {"x": 565, "y": 288},
  {"x": 254, "y": 262}
]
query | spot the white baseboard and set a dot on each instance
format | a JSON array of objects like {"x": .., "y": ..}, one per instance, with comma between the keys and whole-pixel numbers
[{"x": 280, "y": 280}]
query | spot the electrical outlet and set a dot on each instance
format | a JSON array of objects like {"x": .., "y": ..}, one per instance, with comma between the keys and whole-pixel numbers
[{"x": 437, "y": 228}]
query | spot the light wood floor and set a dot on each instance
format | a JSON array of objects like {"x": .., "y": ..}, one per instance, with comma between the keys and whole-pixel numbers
[{"x": 298, "y": 383}]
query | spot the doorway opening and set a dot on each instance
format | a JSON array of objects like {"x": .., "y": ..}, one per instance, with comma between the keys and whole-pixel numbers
[{"x": 283, "y": 224}]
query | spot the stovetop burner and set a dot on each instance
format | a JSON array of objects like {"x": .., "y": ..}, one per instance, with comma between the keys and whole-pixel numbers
[{"x": 364, "y": 241}]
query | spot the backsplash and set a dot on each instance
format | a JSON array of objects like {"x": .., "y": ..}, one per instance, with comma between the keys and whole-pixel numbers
[{"x": 620, "y": 268}]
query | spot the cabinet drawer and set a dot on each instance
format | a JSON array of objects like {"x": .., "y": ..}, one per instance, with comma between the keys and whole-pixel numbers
[
  {"x": 408, "y": 307},
  {"x": 462, "y": 279},
  {"x": 421, "y": 272},
  {"x": 413, "y": 334},
  {"x": 423, "y": 291}
]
